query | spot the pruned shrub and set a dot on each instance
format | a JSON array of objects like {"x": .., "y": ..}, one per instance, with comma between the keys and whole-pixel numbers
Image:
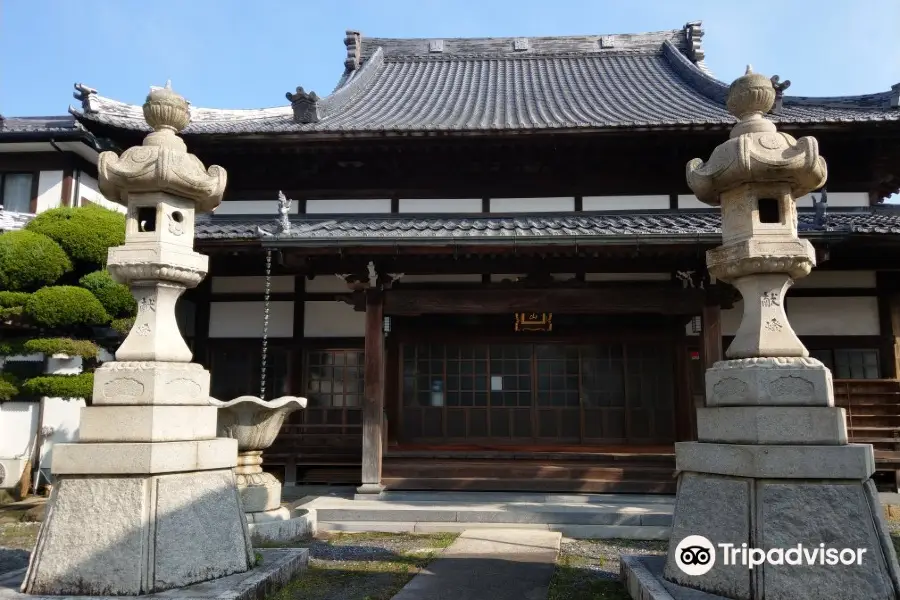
[
  {"x": 29, "y": 260},
  {"x": 60, "y": 386},
  {"x": 115, "y": 297},
  {"x": 86, "y": 233},
  {"x": 122, "y": 326},
  {"x": 50, "y": 346},
  {"x": 65, "y": 307},
  {"x": 9, "y": 386},
  {"x": 13, "y": 299}
]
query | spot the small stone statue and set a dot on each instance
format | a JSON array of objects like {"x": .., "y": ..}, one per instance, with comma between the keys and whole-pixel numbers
[
  {"x": 821, "y": 206},
  {"x": 284, "y": 207}
]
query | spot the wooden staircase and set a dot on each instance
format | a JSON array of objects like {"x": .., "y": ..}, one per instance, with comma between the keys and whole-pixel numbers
[
  {"x": 873, "y": 417},
  {"x": 561, "y": 472}
]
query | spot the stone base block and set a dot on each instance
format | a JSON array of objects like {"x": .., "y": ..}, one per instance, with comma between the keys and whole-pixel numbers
[
  {"x": 143, "y": 458},
  {"x": 280, "y": 525},
  {"x": 369, "y": 491},
  {"x": 131, "y": 383},
  {"x": 782, "y": 514},
  {"x": 824, "y": 425},
  {"x": 769, "y": 381},
  {"x": 275, "y": 569},
  {"x": 108, "y": 536},
  {"x": 259, "y": 492},
  {"x": 147, "y": 423},
  {"x": 851, "y": 461}
]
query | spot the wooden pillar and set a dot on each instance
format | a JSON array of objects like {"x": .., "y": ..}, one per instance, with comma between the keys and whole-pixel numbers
[
  {"x": 889, "y": 321},
  {"x": 373, "y": 403},
  {"x": 711, "y": 330}
]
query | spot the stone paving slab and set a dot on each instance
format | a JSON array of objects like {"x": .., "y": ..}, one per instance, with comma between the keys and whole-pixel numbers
[
  {"x": 583, "y": 532},
  {"x": 489, "y": 564},
  {"x": 279, "y": 566}
]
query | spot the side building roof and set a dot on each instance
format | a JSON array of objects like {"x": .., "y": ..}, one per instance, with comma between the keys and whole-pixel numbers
[{"x": 581, "y": 83}]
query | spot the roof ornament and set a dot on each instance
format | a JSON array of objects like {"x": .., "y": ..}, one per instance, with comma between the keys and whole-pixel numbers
[
  {"x": 87, "y": 96},
  {"x": 305, "y": 105},
  {"x": 284, "y": 208},
  {"x": 895, "y": 96},
  {"x": 779, "y": 86},
  {"x": 693, "y": 31},
  {"x": 821, "y": 206},
  {"x": 353, "y": 41}
]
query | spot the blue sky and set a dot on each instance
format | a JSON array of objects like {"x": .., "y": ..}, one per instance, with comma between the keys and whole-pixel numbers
[{"x": 248, "y": 53}]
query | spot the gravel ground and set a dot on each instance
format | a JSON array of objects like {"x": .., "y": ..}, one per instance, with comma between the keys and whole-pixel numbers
[{"x": 600, "y": 558}]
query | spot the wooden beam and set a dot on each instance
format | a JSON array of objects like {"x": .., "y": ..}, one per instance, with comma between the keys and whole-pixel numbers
[
  {"x": 662, "y": 299},
  {"x": 711, "y": 331},
  {"x": 373, "y": 403}
]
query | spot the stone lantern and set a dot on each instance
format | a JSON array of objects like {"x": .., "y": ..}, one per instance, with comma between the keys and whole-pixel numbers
[
  {"x": 772, "y": 467},
  {"x": 146, "y": 500}
]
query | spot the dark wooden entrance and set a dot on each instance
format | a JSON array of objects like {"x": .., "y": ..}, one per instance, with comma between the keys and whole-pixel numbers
[{"x": 538, "y": 392}]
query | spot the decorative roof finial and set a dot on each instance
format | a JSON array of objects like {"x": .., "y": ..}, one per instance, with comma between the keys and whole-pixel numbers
[
  {"x": 779, "y": 91},
  {"x": 305, "y": 105},
  {"x": 749, "y": 98},
  {"x": 284, "y": 208}
]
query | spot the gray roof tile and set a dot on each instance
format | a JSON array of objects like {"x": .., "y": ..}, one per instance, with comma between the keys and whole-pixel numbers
[
  {"x": 647, "y": 80},
  {"x": 346, "y": 230},
  {"x": 13, "y": 221}
]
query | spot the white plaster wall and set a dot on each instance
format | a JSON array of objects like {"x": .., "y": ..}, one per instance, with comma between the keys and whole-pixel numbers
[
  {"x": 837, "y": 279},
  {"x": 627, "y": 277},
  {"x": 49, "y": 190},
  {"x": 254, "y": 284},
  {"x": 857, "y": 315},
  {"x": 454, "y": 278},
  {"x": 342, "y": 207},
  {"x": 253, "y": 207},
  {"x": 624, "y": 203},
  {"x": 89, "y": 190},
  {"x": 63, "y": 417},
  {"x": 836, "y": 199},
  {"x": 332, "y": 319},
  {"x": 690, "y": 201},
  {"x": 516, "y": 205},
  {"x": 326, "y": 284},
  {"x": 245, "y": 319},
  {"x": 443, "y": 205},
  {"x": 18, "y": 424},
  {"x": 496, "y": 277}
]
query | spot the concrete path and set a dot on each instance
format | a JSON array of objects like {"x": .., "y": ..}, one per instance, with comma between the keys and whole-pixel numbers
[{"x": 489, "y": 564}]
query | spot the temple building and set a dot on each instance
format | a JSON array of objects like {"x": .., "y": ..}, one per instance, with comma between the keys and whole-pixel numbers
[{"x": 486, "y": 271}]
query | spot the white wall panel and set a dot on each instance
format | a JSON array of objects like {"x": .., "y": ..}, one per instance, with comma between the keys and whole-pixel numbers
[
  {"x": 245, "y": 319},
  {"x": 624, "y": 203},
  {"x": 333, "y": 319},
  {"x": 497, "y": 277},
  {"x": 837, "y": 279},
  {"x": 453, "y": 278},
  {"x": 836, "y": 199},
  {"x": 690, "y": 201},
  {"x": 252, "y": 284},
  {"x": 527, "y": 205},
  {"x": 88, "y": 190},
  {"x": 342, "y": 207},
  {"x": 49, "y": 190},
  {"x": 326, "y": 284},
  {"x": 253, "y": 207},
  {"x": 18, "y": 423},
  {"x": 627, "y": 277},
  {"x": 454, "y": 205},
  {"x": 857, "y": 315}
]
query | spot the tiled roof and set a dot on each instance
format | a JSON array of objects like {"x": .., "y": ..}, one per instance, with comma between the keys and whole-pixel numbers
[
  {"x": 12, "y": 221},
  {"x": 588, "y": 82},
  {"x": 412, "y": 230}
]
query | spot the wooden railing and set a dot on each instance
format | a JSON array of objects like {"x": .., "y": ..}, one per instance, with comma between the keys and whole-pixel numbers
[{"x": 873, "y": 417}]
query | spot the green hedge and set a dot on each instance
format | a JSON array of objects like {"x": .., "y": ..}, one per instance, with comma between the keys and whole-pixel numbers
[
  {"x": 65, "y": 306},
  {"x": 85, "y": 233},
  {"x": 9, "y": 387},
  {"x": 48, "y": 346},
  {"x": 29, "y": 260},
  {"x": 60, "y": 386},
  {"x": 115, "y": 297},
  {"x": 122, "y": 326},
  {"x": 13, "y": 299}
]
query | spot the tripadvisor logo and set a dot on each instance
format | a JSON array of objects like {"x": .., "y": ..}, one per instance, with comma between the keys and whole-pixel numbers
[{"x": 695, "y": 555}]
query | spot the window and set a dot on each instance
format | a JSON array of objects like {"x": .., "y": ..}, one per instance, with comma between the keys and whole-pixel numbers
[
  {"x": 15, "y": 191},
  {"x": 335, "y": 378},
  {"x": 848, "y": 363}
]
